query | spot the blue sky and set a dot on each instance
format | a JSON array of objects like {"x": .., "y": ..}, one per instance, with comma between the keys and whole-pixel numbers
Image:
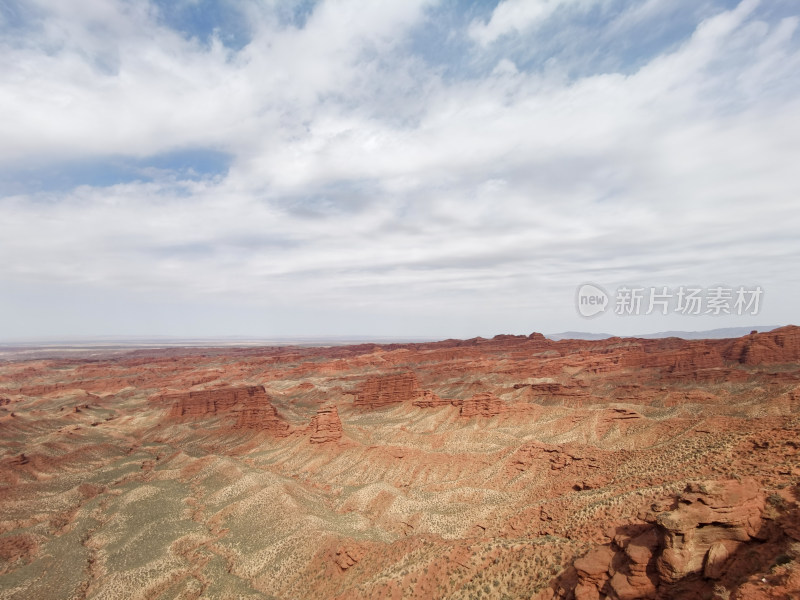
[{"x": 415, "y": 168}]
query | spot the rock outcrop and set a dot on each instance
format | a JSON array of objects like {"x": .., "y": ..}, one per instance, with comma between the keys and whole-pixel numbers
[
  {"x": 484, "y": 404},
  {"x": 250, "y": 404},
  {"x": 386, "y": 390},
  {"x": 204, "y": 403},
  {"x": 710, "y": 522},
  {"x": 428, "y": 399},
  {"x": 326, "y": 426},
  {"x": 257, "y": 412},
  {"x": 690, "y": 357},
  {"x": 556, "y": 389},
  {"x": 347, "y": 556},
  {"x": 574, "y": 393},
  {"x": 616, "y": 417},
  {"x": 778, "y": 346}
]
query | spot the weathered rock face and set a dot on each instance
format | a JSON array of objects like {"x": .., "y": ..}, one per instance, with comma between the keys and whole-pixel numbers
[
  {"x": 378, "y": 392},
  {"x": 711, "y": 521},
  {"x": 556, "y": 389},
  {"x": 580, "y": 463},
  {"x": 256, "y": 412},
  {"x": 249, "y": 404},
  {"x": 573, "y": 393},
  {"x": 595, "y": 570},
  {"x": 326, "y": 426},
  {"x": 428, "y": 399},
  {"x": 204, "y": 403},
  {"x": 778, "y": 346},
  {"x": 692, "y": 357},
  {"x": 483, "y": 405},
  {"x": 538, "y": 456}
]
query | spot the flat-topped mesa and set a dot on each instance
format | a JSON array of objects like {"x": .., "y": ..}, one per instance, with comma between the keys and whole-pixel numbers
[
  {"x": 250, "y": 404},
  {"x": 202, "y": 403},
  {"x": 257, "y": 412},
  {"x": 326, "y": 426},
  {"x": 693, "y": 356},
  {"x": 778, "y": 346},
  {"x": 484, "y": 404},
  {"x": 386, "y": 390}
]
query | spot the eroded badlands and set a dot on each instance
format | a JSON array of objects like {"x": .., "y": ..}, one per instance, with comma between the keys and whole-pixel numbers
[{"x": 512, "y": 467}]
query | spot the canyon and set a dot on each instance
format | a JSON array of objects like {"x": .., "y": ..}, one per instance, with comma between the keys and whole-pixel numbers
[{"x": 509, "y": 467}]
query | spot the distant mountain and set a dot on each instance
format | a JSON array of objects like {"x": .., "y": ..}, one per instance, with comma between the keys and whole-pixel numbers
[
  {"x": 578, "y": 335},
  {"x": 725, "y": 332}
]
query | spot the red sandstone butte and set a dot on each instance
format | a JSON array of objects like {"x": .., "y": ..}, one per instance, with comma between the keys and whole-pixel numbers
[
  {"x": 204, "y": 403},
  {"x": 250, "y": 404},
  {"x": 256, "y": 412},
  {"x": 484, "y": 404},
  {"x": 326, "y": 426},
  {"x": 386, "y": 390}
]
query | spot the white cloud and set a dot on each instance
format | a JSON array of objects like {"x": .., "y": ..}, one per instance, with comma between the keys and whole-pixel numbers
[
  {"x": 518, "y": 16},
  {"x": 105, "y": 77}
]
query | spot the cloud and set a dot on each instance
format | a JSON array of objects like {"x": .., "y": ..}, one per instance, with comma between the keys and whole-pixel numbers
[
  {"x": 343, "y": 170},
  {"x": 519, "y": 16}
]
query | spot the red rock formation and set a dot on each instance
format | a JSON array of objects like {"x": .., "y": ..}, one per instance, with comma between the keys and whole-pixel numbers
[
  {"x": 711, "y": 521},
  {"x": 581, "y": 464},
  {"x": 556, "y": 389},
  {"x": 485, "y": 498},
  {"x": 250, "y": 405},
  {"x": 256, "y": 412},
  {"x": 204, "y": 403},
  {"x": 619, "y": 417},
  {"x": 484, "y": 404},
  {"x": 574, "y": 393},
  {"x": 688, "y": 357},
  {"x": 539, "y": 455},
  {"x": 592, "y": 572},
  {"x": 326, "y": 426},
  {"x": 427, "y": 399},
  {"x": 345, "y": 557},
  {"x": 379, "y": 392},
  {"x": 778, "y": 346},
  {"x": 43, "y": 390}
]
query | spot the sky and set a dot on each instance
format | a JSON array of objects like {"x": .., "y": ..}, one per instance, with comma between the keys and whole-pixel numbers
[{"x": 411, "y": 168}]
